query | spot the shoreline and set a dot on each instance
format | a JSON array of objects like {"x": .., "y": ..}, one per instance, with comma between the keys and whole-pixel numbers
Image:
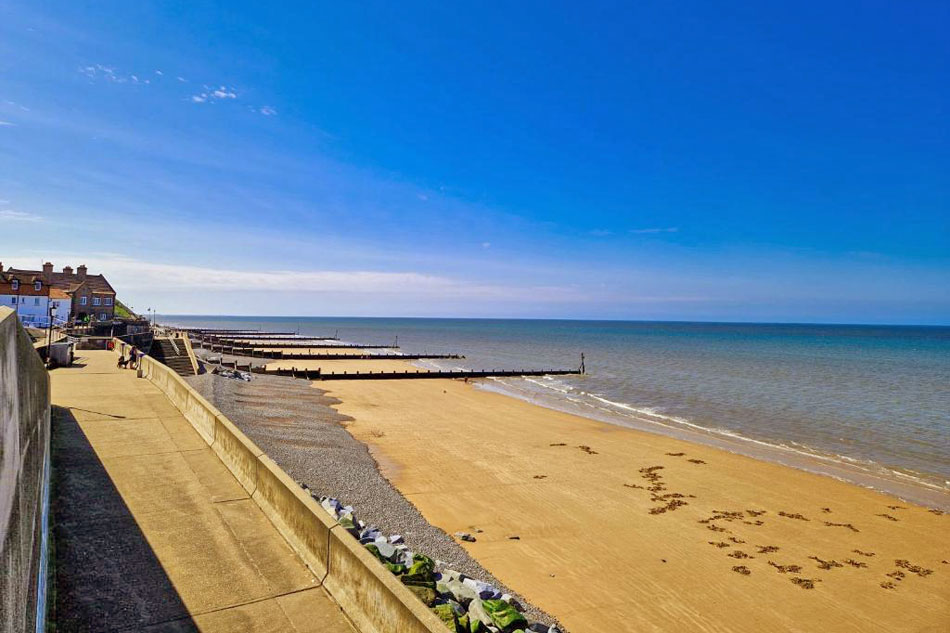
[
  {"x": 849, "y": 448},
  {"x": 839, "y": 467},
  {"x": 533, "y": 482}
]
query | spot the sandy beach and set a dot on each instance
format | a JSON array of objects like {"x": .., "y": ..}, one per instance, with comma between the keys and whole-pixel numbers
[{"x": 612, "y": 529}]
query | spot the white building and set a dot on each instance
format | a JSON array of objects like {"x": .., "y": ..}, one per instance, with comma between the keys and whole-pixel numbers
[
  {"x": 32, "y": 299},
  {"x": 62, "y": 305}
]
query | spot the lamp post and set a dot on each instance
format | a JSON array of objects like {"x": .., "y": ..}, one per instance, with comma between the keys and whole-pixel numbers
[{"x": 49, "y": 329}]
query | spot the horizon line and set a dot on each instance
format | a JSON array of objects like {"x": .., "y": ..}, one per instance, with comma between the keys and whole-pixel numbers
[{"x": 594, "y": 320}]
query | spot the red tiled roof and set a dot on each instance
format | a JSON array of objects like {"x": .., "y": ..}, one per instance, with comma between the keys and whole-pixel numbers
[
  {"x": 97, "y": 284},
  {"x": 26, "y": 284}
]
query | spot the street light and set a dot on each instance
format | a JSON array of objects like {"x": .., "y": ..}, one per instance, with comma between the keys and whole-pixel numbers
[{"x": 49, "y": 330}]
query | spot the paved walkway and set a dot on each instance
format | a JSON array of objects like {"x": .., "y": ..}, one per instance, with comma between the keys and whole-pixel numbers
[{"x": 151, "y": 531}]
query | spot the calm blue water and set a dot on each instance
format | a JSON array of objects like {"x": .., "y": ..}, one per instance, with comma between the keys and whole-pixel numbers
[{"x": 874, "y": 397}]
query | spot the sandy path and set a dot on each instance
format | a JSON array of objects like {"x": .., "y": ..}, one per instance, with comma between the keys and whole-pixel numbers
[{"x": 590, "y": 551}]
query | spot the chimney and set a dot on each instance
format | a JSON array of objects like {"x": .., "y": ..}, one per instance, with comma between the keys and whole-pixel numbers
[
  {"x": 81, "y": 272},
  {"x": 47, "y": 272},
  {"x": 68, "y": 270}
]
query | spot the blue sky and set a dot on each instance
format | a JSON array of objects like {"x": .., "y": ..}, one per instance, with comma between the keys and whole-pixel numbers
[{"x": 658, "y": 160}]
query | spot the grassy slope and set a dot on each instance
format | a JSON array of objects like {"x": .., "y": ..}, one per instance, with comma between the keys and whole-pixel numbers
[{"x": 122, "y": 312}]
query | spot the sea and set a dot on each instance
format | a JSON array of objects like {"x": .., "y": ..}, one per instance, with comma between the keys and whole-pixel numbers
[{"x": 867, "y": 404}]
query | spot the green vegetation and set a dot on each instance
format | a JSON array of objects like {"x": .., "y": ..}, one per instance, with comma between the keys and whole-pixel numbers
[{"x": 122, "y": 312}]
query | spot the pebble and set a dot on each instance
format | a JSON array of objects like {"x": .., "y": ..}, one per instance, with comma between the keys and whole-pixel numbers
[{"x": 317, "y": 450}]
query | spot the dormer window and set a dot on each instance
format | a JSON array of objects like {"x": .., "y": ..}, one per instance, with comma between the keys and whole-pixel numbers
[
  {"x": 37, "y": 285},
  {"x": 15, "y": 285}
]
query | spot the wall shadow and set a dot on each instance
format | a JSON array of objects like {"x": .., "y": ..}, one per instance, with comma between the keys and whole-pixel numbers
[{"x": 104, "y": 574}]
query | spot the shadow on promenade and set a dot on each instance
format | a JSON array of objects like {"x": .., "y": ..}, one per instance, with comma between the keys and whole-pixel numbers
[{"x": 105, "y": 576}]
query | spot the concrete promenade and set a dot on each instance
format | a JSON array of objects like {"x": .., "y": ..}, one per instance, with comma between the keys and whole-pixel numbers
[{"x": 151, "y": 531}]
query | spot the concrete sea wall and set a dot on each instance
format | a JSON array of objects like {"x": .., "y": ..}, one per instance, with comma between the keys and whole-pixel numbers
[
  {"x": 24, "y": 479},
  {"x": 373, "y": 599}
]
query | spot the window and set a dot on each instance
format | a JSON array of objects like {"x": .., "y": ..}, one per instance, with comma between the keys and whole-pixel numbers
[
  {"x": 95, "y": 301},
  {"x": 12, "y": 299},
  {"x": 37, "y": 285},
  {"x": 83, "y": 300},
  {"x": 108, "y": 301},
  {"x": 36, "y": 301},
  {"x": 15, "y": 285},
  {"x": 103, "y": 316}
]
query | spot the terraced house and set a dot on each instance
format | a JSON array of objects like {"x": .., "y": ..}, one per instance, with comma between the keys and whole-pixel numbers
[{"x": 75, "y": 296}]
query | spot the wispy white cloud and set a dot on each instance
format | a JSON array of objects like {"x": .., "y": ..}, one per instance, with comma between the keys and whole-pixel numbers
[
  {"x": 210, "y": 95},
  {"x": 7, "y": 124},
  {"x": 486, "y": 244},
  {"x": 9, "y": 215},
  {"x": 131, "y": 273},
  {"x": 99, "y": 71},
  {"x": 108, "y": 73},
  {"x": 656, "y": 230},
  {"x": 601, "y": 232}
]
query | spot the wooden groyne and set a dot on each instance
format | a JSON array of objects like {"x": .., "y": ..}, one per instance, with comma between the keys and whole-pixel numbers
[
  {"x": 316, "y": 374},
  {"x": 369, "y": 356},
  {"x": 270, "y": 336},
  {"x": 222, "y": 332},
  {"x": 217, "y": 345},
  {"x": 280, "y": 355}
]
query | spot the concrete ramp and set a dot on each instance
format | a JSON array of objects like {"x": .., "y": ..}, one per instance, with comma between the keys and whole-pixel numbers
[{"x": 152, "y": 531}]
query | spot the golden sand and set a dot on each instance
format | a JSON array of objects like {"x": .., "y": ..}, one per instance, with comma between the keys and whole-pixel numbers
[{"x": 622, "y": 530}]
